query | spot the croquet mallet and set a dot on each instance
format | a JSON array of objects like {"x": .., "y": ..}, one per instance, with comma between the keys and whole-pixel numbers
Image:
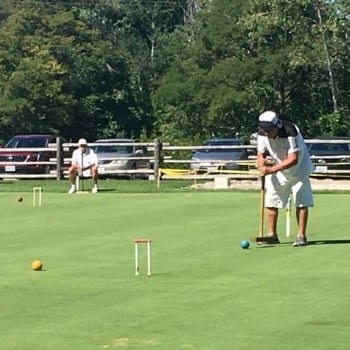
[{"x": 261, "y": 237}]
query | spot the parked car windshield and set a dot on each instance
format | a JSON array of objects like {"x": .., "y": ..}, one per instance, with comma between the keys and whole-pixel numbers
[
  {"x": 329, "y": 147},
  {"x": 222, "y": 142},
  {"x": 26, "y": 143},
  {"x": 113, "y": 149}
]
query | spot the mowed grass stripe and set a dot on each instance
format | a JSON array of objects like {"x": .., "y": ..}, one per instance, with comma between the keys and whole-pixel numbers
[{"x": 206, "y": 292}]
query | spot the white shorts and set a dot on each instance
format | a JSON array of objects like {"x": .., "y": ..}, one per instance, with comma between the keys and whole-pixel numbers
[{"x": 278, "y": 189}]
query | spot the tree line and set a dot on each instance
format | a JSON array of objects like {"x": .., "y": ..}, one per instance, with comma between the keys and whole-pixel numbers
[{"x": 181, "y": 70}]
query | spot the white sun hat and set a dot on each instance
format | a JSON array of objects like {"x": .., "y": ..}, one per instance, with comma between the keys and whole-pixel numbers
[
  {"x": 82, "y": 142},
  {"x": 268, "y": 120}
]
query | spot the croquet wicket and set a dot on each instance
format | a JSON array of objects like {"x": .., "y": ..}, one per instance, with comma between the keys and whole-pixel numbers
[
  {"x": 288, "y": 216},
  {"x": 37, "y": 196},
  {"x": 138, "y": 241}
]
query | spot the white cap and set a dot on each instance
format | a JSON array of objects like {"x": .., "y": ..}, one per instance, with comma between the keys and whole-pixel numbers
[
  {"x": 269, "y": 119},
  {"x": 82, "y": 142}
]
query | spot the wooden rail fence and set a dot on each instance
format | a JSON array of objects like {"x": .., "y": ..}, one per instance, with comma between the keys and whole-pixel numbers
[{"x": 166, "y": 162}]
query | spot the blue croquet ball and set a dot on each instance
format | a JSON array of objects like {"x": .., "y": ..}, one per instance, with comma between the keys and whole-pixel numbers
[{"x": 245, "y": 244}]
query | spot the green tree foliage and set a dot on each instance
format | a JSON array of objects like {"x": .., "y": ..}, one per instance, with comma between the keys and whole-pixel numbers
[
  {"x": 247, "y": 56},
  {"x": 82, "y": 68},
  {"x": 183, "y": 70},
  {"x": 31, "y": 98}
]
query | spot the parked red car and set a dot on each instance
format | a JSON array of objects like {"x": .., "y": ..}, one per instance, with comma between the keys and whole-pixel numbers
[{"x": 26, "y": 153}]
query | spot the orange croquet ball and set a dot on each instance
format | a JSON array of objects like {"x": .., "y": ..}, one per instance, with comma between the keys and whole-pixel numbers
[{"x": 37, "y": 265}]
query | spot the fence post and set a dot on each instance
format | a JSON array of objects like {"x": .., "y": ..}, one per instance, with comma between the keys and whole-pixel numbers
[
  {"x": 59, "y": 159},
  {"x": 157, "y": 150}
]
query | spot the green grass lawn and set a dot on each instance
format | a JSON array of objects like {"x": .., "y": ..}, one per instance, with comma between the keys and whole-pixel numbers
[{"x": 205, "y": 291}]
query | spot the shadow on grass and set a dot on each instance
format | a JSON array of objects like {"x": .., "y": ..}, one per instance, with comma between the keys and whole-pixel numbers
[
  {"x": 107, "y": 190},
  {"x": 329, "y": 241},
  {"x": 315, "y": 242}
]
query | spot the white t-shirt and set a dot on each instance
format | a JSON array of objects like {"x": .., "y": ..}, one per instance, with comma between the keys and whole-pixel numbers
[
  {"x": 85, "y": 159},
  {"x": 281, "y": 146}
]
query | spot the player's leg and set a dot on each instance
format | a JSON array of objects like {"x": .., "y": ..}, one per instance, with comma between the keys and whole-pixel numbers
[{"x": 303, "y": 198}]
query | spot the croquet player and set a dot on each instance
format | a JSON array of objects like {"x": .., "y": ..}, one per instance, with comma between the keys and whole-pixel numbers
[
  {"x": 282, "y": 157},
  {"x": 84, "y": 164}
]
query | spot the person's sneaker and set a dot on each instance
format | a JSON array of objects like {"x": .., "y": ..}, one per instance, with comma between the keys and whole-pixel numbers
[
  {"x": 300, "y": 241},
  {"x": 271, "y": 239},
  {"x": 94, "y": 189},
  {"x": 72, "y": 190}
]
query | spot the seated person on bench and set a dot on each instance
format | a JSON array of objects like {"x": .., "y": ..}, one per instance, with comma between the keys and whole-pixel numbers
[{"x": 84, "y": 164}]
